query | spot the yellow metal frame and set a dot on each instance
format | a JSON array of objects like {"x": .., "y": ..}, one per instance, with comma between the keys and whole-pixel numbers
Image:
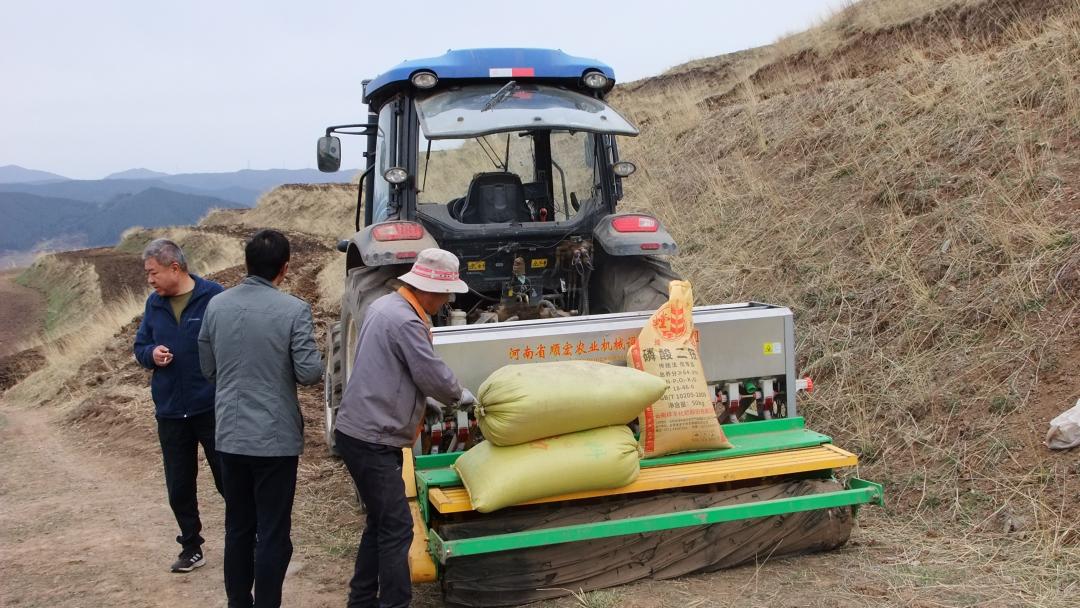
[
  {"x": 825, "y": 456},
  {"x": 421, "y": 566}
]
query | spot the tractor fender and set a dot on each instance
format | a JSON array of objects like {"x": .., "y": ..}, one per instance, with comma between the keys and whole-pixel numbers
[
  {"x": 365, "y": 249},
  {"x": 655, "y": 242}
]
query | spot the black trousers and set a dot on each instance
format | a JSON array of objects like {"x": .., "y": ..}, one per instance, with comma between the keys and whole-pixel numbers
[
  {"x": 381, "y": 578},
  {"x": 180, "y": 439},
  {"x": 259, "y": 493}
]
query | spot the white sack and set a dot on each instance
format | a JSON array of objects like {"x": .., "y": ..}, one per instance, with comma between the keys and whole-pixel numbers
[{"x": 1064, "y": 430}]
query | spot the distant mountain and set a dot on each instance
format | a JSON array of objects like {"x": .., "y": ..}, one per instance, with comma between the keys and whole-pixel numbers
[
  {"x": 101, "y": 190},
  {"x": 11, "y": 174},
  {"x": 242, "y": 188},
  {"x": 30, "y": 220},
  {"x": 139, "y": 173},
  {"x": 258, "y": 180}
]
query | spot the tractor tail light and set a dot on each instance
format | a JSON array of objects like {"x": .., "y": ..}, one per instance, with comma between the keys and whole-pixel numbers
[
  {"x": 635, "y": 223},
  {"x": 398, "y": 231}
]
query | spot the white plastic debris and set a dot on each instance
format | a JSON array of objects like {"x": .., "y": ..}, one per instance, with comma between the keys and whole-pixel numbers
[{"x": 1064, "y": 430}]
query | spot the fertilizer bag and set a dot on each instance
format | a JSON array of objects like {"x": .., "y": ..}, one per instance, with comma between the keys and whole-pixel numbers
[
  {"x": 520, "y": 403},
  {"x": 683, "y": 419},
  {"x": 597, "y": 459}
]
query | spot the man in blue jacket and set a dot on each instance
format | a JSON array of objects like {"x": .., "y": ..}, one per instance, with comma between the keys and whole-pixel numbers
[{"x": 167, "y": 342}]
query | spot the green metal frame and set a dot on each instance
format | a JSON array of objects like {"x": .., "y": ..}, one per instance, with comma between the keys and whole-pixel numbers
[
  {"x": 747, "y": 438},
  {"x": 858, "y": 492}
]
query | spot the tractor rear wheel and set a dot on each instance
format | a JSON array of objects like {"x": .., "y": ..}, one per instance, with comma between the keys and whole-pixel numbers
[
  {"x": 363, "y": 286},
  {"x": 333, "y": 383},
  {"x": 630, "y": 284}
]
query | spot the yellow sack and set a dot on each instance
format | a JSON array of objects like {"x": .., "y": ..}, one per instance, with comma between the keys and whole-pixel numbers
[
  {"x": 683, "y": 420},
  {"x": 520, "y": 403},
  {"x": 596, "y": 459}
]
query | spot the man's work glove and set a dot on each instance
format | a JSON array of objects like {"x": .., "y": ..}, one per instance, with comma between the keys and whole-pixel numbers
[
  {"x": 466, "y": 401},
  {"x": 433, "y": 410}
]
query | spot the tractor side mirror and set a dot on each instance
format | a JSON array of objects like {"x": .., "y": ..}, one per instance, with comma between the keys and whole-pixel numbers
[{"x": 329, "y": 154}]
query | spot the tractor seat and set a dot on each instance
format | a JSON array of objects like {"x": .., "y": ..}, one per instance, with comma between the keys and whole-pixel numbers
[{"x": 492, "y": 198}]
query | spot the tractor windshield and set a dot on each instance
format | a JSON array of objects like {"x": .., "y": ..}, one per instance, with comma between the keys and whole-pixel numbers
[
  {"x": 475, "y": 110},
  {"x": 506, "y": 177}
]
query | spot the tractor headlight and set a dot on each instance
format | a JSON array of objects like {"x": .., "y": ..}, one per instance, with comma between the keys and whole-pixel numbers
[
  {"x": 424, "y": 80},
  {"x": 396, "y": 175},
  {"x": 624, "y": 168},
  {"x": 595, "y": 80}
]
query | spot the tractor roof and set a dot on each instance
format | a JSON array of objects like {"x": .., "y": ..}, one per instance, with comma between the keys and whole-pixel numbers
[{"x": 489, "y": 63}]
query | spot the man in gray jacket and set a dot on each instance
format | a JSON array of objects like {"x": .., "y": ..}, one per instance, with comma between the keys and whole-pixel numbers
[
  {"x": 256, "y": 344},
  {"x": 380, "y": 413}
]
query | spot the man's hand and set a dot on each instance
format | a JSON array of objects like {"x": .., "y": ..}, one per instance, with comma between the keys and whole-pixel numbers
[
  {"x": 162, "y": 355},
  {"x": 433, "y": 410},
  {"x": 466, "y": 401}
]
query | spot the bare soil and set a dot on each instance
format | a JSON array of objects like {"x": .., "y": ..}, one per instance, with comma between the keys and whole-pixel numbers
[
  {"x": 22, "y": 312},
  {"x": 119, "y": 272},
  {"x": 91, "y": 528}
]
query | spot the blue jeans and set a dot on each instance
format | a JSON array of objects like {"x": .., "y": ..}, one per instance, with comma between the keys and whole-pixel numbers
[
  {"x": 381, "y": 577},
  {"x": 259, "y": 494}
]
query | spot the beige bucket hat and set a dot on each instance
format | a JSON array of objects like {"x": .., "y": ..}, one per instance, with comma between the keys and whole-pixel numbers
[{"x": 435, "y": 271}]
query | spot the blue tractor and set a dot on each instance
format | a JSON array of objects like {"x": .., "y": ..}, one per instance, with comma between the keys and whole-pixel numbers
[{"x": 509, "y": 159}]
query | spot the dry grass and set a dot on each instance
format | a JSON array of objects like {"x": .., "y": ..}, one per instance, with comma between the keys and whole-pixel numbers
[
  {"x": 912, "y": 197},
  {"x": 65, "y": 356},
  {"x": 326, "y": 210},
  {"x": 331, "y": 283},
  {"x": 207, "y": 252},
  {"x": 81, "y": 322},
  {"x": 71, "y": 288}
]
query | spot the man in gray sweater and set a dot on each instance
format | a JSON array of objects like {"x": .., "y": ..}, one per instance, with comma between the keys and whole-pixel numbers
[
  {"x": 380, "y": 413},
  {"x": 256, "y": 345}
]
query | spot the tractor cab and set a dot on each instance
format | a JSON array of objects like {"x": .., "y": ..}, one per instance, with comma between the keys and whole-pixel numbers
[{"x": 506, "y": 157}]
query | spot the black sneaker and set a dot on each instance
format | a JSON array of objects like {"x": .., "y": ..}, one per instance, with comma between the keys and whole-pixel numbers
[{"x": 189, "y": 560}]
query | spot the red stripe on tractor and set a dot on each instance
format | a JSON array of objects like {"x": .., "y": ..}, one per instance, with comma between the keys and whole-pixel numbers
[{"x": 517, "y": 72}]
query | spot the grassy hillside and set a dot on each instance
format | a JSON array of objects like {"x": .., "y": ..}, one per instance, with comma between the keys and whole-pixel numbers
[
  {"x": 905, "y": 178},
  {"x": 71, "y": 289},
  {"x": 93, "y": 293},
  {"x": 326, "y": 210},
  {"x": 207, "y": 251}
]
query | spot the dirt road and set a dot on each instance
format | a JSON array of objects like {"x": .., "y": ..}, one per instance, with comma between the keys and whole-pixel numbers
[
  {"x": 87, "y": 529},
  {"x": 22, "y": 311}
]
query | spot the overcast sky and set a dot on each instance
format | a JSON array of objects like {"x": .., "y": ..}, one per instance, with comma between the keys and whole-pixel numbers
[{"x": 90, "y": 88}]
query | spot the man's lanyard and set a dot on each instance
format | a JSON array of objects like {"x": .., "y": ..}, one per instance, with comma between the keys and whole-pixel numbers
[{"x": 420, "y": 312}]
